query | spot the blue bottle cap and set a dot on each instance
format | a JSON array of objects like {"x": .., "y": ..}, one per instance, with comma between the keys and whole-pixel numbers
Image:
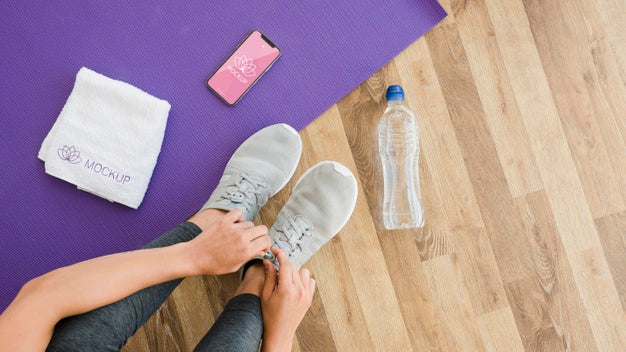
[{"x": 394, "y": 92}]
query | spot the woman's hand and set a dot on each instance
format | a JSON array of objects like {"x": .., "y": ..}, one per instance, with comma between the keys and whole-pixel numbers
[
  {"x": 226, "y": 243},
  {"x": 284, "y": 302}
]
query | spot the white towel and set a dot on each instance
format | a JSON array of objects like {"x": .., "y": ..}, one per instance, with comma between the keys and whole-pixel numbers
[{"x": 107, "y": 138}]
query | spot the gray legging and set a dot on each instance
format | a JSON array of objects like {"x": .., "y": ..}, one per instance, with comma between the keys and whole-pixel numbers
[{"x": 238, "y": 328}]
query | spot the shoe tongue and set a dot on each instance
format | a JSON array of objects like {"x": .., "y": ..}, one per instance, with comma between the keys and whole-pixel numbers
[
  {"x": 304, "y": 222},
  {"x": 301, "y": 223},
  {"x": 254, "y": 175}
]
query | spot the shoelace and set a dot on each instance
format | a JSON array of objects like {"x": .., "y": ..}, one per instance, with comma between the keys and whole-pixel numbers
[
  {"x": 293, "y": 233},
  {"x": 247, "y": 191}
]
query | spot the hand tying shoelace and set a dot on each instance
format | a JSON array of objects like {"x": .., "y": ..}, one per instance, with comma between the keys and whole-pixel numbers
[
  {"x": 292, "y": 235},
  {"x": 246, "y": 191}
]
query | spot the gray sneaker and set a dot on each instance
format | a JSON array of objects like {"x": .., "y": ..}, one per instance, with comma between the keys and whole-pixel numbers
[
  {"x": 259, "y": 168},
  {"x": 320, "y": 205}
]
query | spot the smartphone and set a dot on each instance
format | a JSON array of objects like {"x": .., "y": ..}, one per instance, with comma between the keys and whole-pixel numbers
[{"x": 243, "y": 68}]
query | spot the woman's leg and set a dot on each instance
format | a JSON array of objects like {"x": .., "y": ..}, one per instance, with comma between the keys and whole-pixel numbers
[
  {"x": 240, "y": 326},
  {"x": 107, "y": 328}
]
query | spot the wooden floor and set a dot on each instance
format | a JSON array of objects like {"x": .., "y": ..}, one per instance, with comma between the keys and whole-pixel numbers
[{"x": 522, "y": 115}]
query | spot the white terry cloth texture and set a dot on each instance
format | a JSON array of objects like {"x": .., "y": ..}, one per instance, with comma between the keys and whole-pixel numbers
[{"x": 107, "y": 138}]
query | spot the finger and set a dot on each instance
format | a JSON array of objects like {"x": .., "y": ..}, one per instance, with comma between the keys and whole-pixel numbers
[
  {"x": 244, "y": 225},
  {"x": 270, "y": 278},
  {"x": 285, "y": 278},
  {"x": 256, "y": 231},
  {"x": 275, "y": 250},
  {"x": 312, "y": 288},
  {"x": 261, "y": 244},
  {"x": 296, "y": 278},
  {"x": 305, "y": 278},
  {"x": 234, "y": 215}
]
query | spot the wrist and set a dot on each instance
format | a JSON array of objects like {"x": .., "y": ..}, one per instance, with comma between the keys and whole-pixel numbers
[
  {"x": 277, "y": 343},
  {"x": 184, "y": 259}
]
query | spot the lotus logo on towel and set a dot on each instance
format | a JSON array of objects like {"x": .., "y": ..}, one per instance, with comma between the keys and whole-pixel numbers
[
  {"x": 69, "y": 154},
  {"x": 73, "y": 156}
]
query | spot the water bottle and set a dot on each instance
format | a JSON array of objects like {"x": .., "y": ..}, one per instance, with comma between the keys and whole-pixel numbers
[{"x": 398, "y": 145}]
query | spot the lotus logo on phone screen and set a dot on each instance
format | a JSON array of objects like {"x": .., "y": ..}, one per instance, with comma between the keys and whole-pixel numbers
[{"x": 243, "y": 66}]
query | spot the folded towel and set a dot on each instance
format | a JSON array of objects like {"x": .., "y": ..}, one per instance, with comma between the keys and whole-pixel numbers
[{"x": 107, "y": 138}]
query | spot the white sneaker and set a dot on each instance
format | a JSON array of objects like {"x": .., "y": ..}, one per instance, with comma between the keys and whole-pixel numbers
[
  {"x": 321, "y": 203},
  {"x": 259, "y": 168}
]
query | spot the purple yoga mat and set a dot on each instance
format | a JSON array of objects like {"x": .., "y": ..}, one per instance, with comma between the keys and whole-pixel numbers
[{"x": 168, "y": 49}]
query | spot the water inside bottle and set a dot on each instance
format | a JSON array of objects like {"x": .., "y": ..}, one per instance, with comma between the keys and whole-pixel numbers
[{"x": 399, "y": 152}]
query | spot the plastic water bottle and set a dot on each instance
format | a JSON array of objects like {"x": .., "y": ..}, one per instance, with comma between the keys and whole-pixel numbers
[{"x": 398, "y": 145}]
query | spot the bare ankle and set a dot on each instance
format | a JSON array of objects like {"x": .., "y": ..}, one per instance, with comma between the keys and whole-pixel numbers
[
  {"x": 253, "y": 280},
  {"x": 205, "y": 217}
]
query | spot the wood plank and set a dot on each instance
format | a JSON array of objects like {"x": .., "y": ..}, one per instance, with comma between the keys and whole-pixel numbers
[
  {"x": 542, "y": 122},
  {"x": 453, "y": 305},
  {"x": 608, "y": 321},
  {"x": 337, "y": 291},
  {"x": 551, "y": 292},
  {"x": 558, "y": 172},
  {"x": 581, "y": 73},
  {"x": 219, "y": 290},
  {"x": 434, "y": 238},
  {"x": 478, "y": 150},
  {"x": 477, "y": 268},
  {"x": 612, "y": 231},
  {"x": 412, "y": 291},
  {"x": 498, "y": 331},
  {"x": 296, "y": 346},
  {"x": 137, "y": 342},
  {"x": 314, "y": 333},
  {"x": 194, "y": 311},
  {"x": 537, "y": 331},
  {"x": 163, "y": 328},
  {"x": 496, "y": 95},
  {"x": 613, "y": 16}
]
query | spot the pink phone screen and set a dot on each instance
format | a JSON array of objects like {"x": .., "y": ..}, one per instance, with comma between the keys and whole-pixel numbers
[{"x": 243, "y": 67}]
